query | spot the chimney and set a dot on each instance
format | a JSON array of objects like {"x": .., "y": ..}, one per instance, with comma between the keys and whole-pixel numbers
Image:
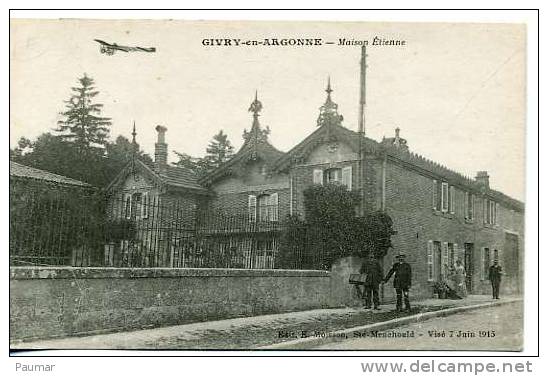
[
  {"x": 483, "y": 178},
  {"x": 160, "y": 150}
]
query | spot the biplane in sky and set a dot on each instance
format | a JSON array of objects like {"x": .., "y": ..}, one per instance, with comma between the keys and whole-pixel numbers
[{"x": 110, "y": 49}]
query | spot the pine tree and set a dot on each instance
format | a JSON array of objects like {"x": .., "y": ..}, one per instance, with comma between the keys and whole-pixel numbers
[
  {"x": 83, "y": 126},
  {"x": 218, "y": 151}
]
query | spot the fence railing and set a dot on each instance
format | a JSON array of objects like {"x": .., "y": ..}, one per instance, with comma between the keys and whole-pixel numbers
[{"x": 141, "y": 231}]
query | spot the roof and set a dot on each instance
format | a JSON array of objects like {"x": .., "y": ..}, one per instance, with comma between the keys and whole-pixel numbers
[
  {"x": 180, "y": 177},
  {"x": 25, "y": 172},
  {"x": 173, "y": 177},
  {"x": 398, "y": 155}
]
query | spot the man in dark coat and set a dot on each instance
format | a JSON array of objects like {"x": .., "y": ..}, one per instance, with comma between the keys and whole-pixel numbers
[
  {"x": 495, "y": 273},
  {"x": 372, "y": 269},
  {"x": 402, "y": 281}
]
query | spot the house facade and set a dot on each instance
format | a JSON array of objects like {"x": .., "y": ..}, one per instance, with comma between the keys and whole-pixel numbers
[{"x": 440, "y": 216}]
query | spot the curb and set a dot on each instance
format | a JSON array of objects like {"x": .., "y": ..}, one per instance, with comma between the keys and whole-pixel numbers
[{"x": 340, "y": 335}]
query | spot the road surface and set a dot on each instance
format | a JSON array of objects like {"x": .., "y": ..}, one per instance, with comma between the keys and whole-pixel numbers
[{"x": 493, "y": 328}]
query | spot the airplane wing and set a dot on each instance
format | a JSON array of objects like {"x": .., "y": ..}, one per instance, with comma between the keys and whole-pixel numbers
[
  {"x": 102, "y": 42},
  {"x": 112, "y": 47}
]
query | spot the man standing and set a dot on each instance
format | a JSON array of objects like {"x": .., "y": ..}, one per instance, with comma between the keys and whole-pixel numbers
[
  {"x": 402, "y": 281},
  {"x": 495, "y": 273},
  {"x": 372, "y": 269}
]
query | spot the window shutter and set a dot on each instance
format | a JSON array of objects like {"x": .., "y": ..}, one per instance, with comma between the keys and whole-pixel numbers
[
  {"x": 252, "y": 208},
  {"x": 452, "y": 199},
  {"x": 466, "y": 204},
  {"x": 274, "y": 202},
  {"x": 485, "y": 210},
  {"x": 473, "y": 198},
  {"x": 430, "y": 260},
  {"x": 347, "y": 177},
  {"x": 127, "y": 205},
  {"x": 434, "y": 194},
  {"x": 317, "y": 177}
]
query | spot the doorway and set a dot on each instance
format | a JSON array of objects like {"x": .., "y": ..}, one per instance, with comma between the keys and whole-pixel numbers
[{"x": 469, "y": 265}]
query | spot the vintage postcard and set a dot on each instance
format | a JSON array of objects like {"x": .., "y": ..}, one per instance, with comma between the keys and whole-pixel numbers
[{"x": 253, "y": 185}]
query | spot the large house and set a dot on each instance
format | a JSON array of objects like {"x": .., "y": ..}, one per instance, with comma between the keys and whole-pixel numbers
[{"x": 440, "y": 215}]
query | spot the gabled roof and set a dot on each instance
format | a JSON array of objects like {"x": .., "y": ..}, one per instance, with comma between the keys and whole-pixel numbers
[
  {"x": 18, "y": 170},
  {"x": 327, "y": 133},
  {"x": 172, "y": 178}
]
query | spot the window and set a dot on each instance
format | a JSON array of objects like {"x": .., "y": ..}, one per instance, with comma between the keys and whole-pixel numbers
[
  {"x": 252, "y": 208},
  {"x": 490, "y": 212},
  {"x": 445, "y": 260},
  {"x": 495, "y": 255},
  {"x": 263, "y": 208},
  {"x": 437, "y": 260},
  {"x": 347, "y": 177},
  {"x": 469, "y": 206},
  {"x": 268, "y": 208},
  {"x": 452, "y": 199},
  {"x": 444, "y": 197},
  {"x": 333, "y": 176},
  {"x": 486, "y": 263},
  {"x": 430, "y": 259},
  {"x": 451, "y": 254},
  {"x": 436, "y": 194}
]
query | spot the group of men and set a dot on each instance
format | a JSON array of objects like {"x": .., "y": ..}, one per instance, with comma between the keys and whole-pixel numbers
[{"x": 402, "y": 281}]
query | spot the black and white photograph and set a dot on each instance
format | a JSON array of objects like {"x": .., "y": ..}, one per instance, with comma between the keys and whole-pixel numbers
[{"x": 267, "y": 185}]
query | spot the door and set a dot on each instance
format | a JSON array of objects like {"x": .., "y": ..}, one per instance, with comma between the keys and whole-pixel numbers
[
  {"x": 511, "y": 262},
  {"x": 438, "y": 264},
  {"x": 468, "y": 265}
]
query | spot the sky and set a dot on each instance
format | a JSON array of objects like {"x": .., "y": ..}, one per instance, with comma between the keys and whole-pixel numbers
[{"x": 456, "y": 91}]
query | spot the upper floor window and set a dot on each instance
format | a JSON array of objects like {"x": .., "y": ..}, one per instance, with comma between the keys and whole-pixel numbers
[
  {"x": 333, "y": 176},
  {"x": 490, "y": 209},
  {"x": 263, "y": 208},
  {"x": 469, "y": 205},
  {"x": 136, "y": 205},
  {"x": 443, "y": 196}
]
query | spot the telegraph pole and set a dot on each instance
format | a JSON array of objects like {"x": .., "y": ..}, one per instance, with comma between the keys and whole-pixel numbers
[{"x": 361, "y": 129}]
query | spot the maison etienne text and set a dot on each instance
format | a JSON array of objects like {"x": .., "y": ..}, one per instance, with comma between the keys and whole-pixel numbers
[{"x": 237, "y": 42}]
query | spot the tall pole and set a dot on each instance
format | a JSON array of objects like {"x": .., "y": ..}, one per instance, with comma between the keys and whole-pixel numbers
[
  {"x": 363, "y": 67},
  {"x": 361, "y": 130}
]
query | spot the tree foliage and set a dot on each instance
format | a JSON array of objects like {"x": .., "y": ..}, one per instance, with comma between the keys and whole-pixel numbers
[
  {"x": 82, "y": 124},
  {"x": 218, "y": 151},
  {"x": 333, "y": 230}
]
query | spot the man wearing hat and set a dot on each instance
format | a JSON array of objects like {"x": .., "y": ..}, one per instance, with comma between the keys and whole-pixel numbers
[
  {"x": 495, "y": 273},
  {"x": 402, "y": 281},
  {"x": 373, "y": 271}
]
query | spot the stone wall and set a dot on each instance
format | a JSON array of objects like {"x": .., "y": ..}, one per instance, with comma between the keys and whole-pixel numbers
[{"x": 48, "y": 302}]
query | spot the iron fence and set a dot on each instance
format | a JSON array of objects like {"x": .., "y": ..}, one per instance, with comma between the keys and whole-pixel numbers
[{"x": 140, "y": 231}]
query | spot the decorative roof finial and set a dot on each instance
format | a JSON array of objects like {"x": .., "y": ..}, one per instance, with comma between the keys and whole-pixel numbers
[
  {"x": 134, "y": 134},
  {"x": 329, "y": 90},
  {"x": 256, "y": 134},
  {"x": 328, "y": 112},
  {"x": 256, "y": 106}
]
